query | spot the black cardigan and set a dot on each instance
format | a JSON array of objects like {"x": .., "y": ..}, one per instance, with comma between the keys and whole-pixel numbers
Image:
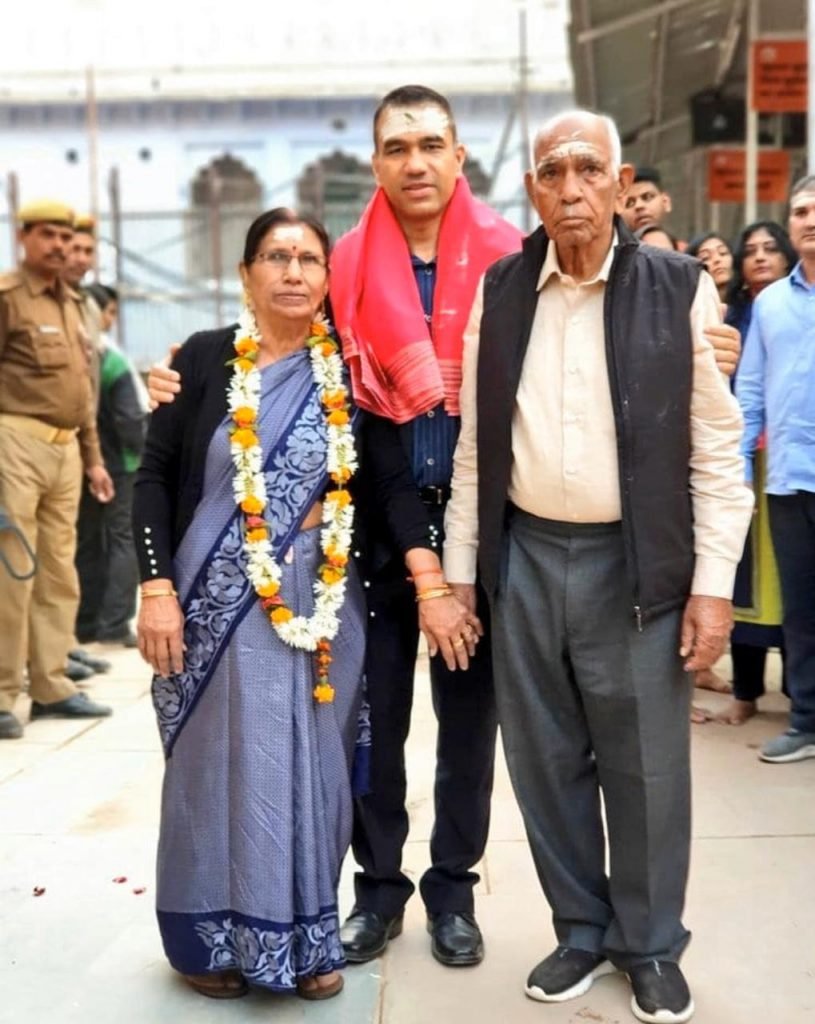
[{"x": 170, "y": 480}]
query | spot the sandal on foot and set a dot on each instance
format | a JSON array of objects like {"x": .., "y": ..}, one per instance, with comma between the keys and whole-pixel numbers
[
  {"x": 318, "y": 991},
  {"x": 218, "y": 985}
]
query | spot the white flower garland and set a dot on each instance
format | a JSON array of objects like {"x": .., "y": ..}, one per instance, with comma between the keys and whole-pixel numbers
[{"x": 263, "y": 570}]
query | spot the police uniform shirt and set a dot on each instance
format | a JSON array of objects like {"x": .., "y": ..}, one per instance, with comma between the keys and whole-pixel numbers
[{"x": 44, "y": 370}]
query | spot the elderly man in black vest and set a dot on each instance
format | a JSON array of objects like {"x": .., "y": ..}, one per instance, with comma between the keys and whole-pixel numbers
[{"x": 599, "y": 488}]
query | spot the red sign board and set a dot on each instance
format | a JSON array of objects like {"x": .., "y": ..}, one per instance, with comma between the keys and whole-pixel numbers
[
  {"x": 726, "y": 175},
  {"x": 780, "y": 76}
]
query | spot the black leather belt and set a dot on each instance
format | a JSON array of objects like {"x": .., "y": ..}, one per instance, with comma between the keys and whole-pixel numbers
[{"x": 435, "y": 495}]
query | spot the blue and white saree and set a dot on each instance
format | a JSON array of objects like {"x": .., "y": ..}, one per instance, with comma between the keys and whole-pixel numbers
[{"x": 256, "y": 807}]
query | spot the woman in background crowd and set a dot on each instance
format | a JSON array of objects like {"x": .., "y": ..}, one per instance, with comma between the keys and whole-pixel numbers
[
  {"x": 716, "y": 255},
  {"x": 763, "y": 254}
]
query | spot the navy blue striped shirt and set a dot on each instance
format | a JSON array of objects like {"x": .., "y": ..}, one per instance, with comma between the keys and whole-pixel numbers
[{"x": 435, "y": 432}]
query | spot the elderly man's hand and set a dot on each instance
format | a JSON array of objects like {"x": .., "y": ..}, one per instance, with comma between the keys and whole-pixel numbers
[
  {"x": 163, "y": 384},
  {"x": 726, "y": 342},
  {"x": 465, "y": 592},
  {"x": 706, "y": 627}
]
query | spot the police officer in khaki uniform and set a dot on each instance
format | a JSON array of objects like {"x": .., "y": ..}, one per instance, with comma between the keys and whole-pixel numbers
[{"x": 47, "y": 435}]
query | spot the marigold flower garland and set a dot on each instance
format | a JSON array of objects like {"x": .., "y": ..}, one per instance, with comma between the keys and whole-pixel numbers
[{"x": 263, "y": 570}]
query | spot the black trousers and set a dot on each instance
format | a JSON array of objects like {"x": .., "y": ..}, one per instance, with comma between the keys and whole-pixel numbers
[
  {"x": 792, "y": 524},
  {"x": 464, "y": 704},
  {"x": 749, "y": 662},
  {"x": 106, "y": 563}
]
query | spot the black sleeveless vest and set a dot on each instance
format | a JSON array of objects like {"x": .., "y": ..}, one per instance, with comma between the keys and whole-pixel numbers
[{"x": 649, "y": 352}]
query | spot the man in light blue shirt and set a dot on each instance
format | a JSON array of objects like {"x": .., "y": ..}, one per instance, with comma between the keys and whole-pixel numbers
[{"x": 776, "y": 389}]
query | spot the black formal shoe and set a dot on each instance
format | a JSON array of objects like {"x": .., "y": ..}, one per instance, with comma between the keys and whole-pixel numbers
[
  {"x": 10, "y": 728},
  {"x": 96, "y": 664},
  {"x": 457, "y": 940},
  {"x": 127, "y": 638},
  {"x": 77, "y": 672},
  {"x": 77, "y": 706},
  {"x": 566, "y": 974},
  {"x": 661, "y": 994},
  {"x": 365, "y": 934}
]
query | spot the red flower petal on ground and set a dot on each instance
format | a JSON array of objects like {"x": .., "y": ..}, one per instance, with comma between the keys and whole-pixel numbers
[
  {"x": 39, "y": 890},
  {"x": 140, "y": 890}
]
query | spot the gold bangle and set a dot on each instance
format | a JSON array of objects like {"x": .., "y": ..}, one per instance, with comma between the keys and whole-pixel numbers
[
  {"x": 428, "y": 572},
  {"x": 431, "y": 592},
  {"x": 159, "y": 593}
]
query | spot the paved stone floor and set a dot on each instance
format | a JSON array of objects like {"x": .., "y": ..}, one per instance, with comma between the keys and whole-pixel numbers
[{"x": 78, "y": 808}]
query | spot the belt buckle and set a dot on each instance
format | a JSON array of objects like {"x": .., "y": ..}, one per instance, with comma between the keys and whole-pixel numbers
[{"x": 438, "y": 495}]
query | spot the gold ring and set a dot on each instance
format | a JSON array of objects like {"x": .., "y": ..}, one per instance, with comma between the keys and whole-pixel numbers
[{"x": 458, "y": 643}]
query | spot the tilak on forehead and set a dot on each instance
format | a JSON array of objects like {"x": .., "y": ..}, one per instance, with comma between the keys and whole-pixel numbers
[
  {"x": 428, "y": 119},
  {"x": 293, "y": 233},
  {"x": 565, "y": 145}
]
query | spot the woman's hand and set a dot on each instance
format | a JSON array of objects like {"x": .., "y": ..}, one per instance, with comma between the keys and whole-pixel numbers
[
  {"x": 450, "y": 630},
  {"x": 161, "y": 634}
]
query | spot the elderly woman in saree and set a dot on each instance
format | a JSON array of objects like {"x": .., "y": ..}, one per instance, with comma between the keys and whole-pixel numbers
[{"x": 252, "y": 617}]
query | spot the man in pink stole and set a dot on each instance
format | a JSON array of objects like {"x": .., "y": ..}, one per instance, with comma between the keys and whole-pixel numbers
[{"x": 403, "y": 282}]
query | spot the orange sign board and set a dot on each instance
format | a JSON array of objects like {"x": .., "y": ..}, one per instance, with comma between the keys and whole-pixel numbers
[
  {"x": 779, "y": 76},
  {"x": 726, "y": 175}
]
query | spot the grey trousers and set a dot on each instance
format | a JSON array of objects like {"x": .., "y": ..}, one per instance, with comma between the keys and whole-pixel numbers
[{"x": 587, "y": 703}]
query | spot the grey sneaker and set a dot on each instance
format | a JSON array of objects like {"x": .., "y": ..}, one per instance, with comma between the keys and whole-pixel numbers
[{"x": 791, "y": 745}]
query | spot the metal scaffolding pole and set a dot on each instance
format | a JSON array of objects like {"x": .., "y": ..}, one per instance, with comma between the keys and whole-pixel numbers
[
  {"x": 523, "y": 108},
  {"x": 115, "y": 201},
  {"x": 13, "y": 201},
  {"x": 811, "y": 87},
  {"x": 751, "y": 150},
  {"x": 92, "y": 127}
]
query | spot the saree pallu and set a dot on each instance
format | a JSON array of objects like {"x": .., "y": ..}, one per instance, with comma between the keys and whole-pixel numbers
[
  {"x": 256, "y": 806},
  {"x": 757, "y": 595}
]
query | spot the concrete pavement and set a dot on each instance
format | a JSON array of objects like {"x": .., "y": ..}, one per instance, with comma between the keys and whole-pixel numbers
[{"x": 79, "y": 808}]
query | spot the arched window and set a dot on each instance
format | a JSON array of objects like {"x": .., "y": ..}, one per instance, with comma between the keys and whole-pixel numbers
[
  {"x": 480, "y": 182},
  {"x": 226, "y": 196},
  {"x": 335, "y": 189}
]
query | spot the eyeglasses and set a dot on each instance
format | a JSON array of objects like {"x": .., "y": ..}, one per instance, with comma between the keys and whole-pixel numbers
[{"x": 280, "y": 259}]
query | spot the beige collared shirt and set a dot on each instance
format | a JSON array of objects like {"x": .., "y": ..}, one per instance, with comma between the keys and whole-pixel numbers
[
  {"x": 573, "y": 477},
  {"x": 564, "y": 441}
]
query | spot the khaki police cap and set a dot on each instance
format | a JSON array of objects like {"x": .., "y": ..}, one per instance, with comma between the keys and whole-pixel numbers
[
  {"x": 85, "y": 222},
  {"x": 45, "y": 211}
]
